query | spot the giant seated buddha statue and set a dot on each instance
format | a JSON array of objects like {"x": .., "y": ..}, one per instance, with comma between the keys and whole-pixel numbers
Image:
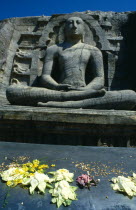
[{"x": 71, "y": 90}]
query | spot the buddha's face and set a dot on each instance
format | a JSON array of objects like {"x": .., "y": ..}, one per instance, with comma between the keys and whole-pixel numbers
[{"x": 74, "y": 27}]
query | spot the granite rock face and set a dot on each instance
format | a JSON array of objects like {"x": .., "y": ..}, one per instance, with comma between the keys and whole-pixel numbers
[{"x": 24, "y": 42}]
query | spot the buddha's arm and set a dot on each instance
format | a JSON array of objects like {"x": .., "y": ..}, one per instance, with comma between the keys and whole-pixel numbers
[
  {"x": 97, "y": 69},
  {"x": 46, "y": 80}
]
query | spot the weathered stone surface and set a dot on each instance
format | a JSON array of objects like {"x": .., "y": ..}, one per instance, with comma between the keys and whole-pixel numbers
[
  {"x": 114, "y": 35},
  {"x": 65, "y": 126},
  {"x": 21, "y": 58},
  {"x": 6, "y": 31},
  {"x": 81, "y": 116},
  {"x": 110, "y": 32}
]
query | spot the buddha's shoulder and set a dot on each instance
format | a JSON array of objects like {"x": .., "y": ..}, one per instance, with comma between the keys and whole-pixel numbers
[
  {"x": 94, "y": 51},
  {"x": 90, "y": 47},
  {"x": 52, "y": 50},
  {"x": 52, "y": 47}
]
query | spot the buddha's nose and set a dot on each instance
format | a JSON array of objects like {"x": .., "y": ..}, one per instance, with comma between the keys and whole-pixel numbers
[{"x": 74, "y": 25}]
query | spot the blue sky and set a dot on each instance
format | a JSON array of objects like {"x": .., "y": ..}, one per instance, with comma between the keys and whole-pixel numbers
[{"x": 22, "y": 8}]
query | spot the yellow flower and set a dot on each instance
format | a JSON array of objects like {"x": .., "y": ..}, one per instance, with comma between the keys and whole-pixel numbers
[
  {"x": 43, "y": 166},
  {"x": 18, "y": 181},
  {"x": 16, "y": 171},
  {"x": 29, "y": 171},
  {"x": 63, "y": 170},
  {"x": 32, "y": 169},
  {"x": 40, "y": 171},
  {"x": 25, "y": 168},
  {"x": 37, "y": 162},
  {"x": 25, "y": 164},
  {"x": 31, "y": 174},
  {"x": 26, "y": 174},
  {"x": 28, "y": 164},
  {"x": 14, "y": 184},
  {"x": 35, "y": 165},
  {"x": 9, "y": 183},
  {"x": 53, "y": 165}
]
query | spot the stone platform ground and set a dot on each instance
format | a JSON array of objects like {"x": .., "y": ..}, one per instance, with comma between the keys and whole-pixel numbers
[{"x": 103, "y": 160}]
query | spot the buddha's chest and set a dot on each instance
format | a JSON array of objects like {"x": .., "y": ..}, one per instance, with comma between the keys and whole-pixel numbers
[{"x": 73, "y": 57}]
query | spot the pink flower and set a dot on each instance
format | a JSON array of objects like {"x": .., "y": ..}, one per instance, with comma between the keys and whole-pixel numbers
[
  {"x": 83, "y": 180},
  {"x": 86, "y": 181}
]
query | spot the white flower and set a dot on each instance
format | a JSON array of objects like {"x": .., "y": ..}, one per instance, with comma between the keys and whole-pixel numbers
[
  {"x": 34, "y": 183},
  {"x": 12, "y": 174},
  {"x": 124, "y": 184},
  {"x": 62, "y": 174},
  {"x": 6, "y": 175},
  {"x": 63, "y": 193},
  {"x": 42, "y": 177},
  {"x": 39, "y": 181}
]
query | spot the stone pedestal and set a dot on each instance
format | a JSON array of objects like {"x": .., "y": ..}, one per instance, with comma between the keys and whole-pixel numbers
[{"x": 66, "y": 126}]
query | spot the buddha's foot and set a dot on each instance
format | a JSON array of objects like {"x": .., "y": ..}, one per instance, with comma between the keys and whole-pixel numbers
[
  {"x": 49, "y": 104},
  {"x": 64, "y": 104}
]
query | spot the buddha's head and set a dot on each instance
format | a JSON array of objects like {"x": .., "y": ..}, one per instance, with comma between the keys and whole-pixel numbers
[{"x": 74, "y": 28}]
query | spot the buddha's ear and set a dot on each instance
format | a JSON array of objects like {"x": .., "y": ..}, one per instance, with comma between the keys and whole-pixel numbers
[{"x": 83, "y": 35}]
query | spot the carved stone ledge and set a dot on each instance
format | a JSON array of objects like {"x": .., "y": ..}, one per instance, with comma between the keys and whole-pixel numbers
[
  {"x": 80, "y": 116},
  {"x": 66, "y": 126}
]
